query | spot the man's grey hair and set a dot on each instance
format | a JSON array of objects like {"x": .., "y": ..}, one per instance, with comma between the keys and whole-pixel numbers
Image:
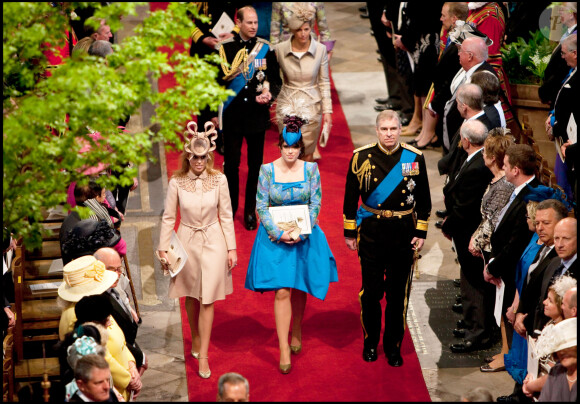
[
  {"x": 388, "y": 114},
  {"x": 474, "y": 131},
  {"x": 85, "y": 365},
  {"x": 471, "y": 95},
  {"x": 571, "y": 42},
  {"x": 101, "y": 48},
  {"x": 231, "y": 378},
  {"x": 476, "y": 46}
]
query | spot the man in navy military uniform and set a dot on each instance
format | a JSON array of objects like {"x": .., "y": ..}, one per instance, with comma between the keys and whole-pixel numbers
[
  {"x": 252, "y": 72},
  {"x": 388, "y": 228}
]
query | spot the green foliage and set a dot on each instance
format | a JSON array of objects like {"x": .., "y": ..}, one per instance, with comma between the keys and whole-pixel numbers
[
  {"x": 525, "y": 62},
  {"x": 48, "y": 119}
]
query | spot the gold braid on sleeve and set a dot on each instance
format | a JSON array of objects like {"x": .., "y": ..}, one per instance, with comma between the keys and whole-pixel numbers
[
  {"x": 363, "y": 173},
  {"x": 241, "y": 57}
]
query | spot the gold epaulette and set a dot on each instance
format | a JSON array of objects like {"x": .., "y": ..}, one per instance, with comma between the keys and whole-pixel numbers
[
  {"x": 368, "y": 146},
  {"x": 230, "y": 39},
  {"x": 264, "y": 41},
  {"x": 411, "y": 148}
]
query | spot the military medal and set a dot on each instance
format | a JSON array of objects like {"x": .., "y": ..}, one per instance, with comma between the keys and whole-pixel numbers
[
  {"x": 414, "y": 169},
  {"x": 411, "y": 185},
  {"x": 260, "y": 65},
  {"x": 410, "y": 199},
  {"x": 405, "y": 169}
]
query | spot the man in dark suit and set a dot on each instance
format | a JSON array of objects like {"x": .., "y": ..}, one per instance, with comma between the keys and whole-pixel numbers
[
  {"x": 512, "y": 235},
  {"x": 123, "y": 313},
  {"x": 92, "y": 375},
  {"x": 548, "y": 213},
  {"x": 566, "y": 246},
  {"x": 469, "y": 104},
  {"x": 463, "y": 195},
  {"x": 256, "y": 82},
  {"x": 472, "y": 57}
]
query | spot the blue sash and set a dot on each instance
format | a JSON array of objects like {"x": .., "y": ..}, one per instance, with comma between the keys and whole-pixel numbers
[
  {"x": 385, "y": 188},
  {"x": 238, "y": 82}
]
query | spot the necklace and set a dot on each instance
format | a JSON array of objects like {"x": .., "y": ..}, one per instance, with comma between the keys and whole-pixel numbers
[{"x": 573, "y": 380}]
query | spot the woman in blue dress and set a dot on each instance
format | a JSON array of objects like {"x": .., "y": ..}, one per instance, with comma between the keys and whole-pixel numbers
[{"x": 282, "y": 260}]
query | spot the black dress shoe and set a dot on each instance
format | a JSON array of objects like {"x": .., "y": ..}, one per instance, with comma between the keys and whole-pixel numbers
[
  {"x": 364, "y": 15},
  {"x": 441, "y": 213},
  {"x": 506, "y": 399},
  {"x": 461, "y": 324},
  {"x": 405, "y": 121},
  {"x": 370, "y": 354},
  {"x": 488, "y": 369},
  {"x": 439, "y": 224},
  {"x": 382, "y": 100},
  {"x": 457, "y": 282},
  {"x": 380, "y": 108},
  {"x": 363, "y": 9},
  {"x": 458, "y": 299},
  {"x": 250, "y": 222},
  {"x": 394, "y": 359},
  {"x": 467, "y": 346},
  {"x": 458, "y": 308},
  {"x": 459, "y": 332}
]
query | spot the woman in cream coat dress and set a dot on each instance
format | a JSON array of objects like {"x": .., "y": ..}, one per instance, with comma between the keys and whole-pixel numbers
[
  {"x": 206, "y": 230},
  {"x": 304, "y": 65}
]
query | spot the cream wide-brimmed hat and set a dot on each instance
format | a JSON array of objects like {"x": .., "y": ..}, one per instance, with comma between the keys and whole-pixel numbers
[
  {"x": 556, "y": 337},
  {"x": 85, "y": 276}
]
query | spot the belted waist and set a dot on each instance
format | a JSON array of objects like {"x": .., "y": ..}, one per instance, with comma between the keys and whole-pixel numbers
[
  {"x": 199, "y": 228},
  {"x": 388, "y": 213}
]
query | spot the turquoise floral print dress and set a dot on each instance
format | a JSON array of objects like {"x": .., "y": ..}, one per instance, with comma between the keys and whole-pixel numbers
[{"x": 308, "y": 265}]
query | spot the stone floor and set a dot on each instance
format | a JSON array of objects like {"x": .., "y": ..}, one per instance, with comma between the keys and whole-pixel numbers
[{"x": 359, "y": 79}]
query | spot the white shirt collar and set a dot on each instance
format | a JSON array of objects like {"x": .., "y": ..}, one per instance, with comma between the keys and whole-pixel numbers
[
  {"x": 569, "y": 261},
  {"x": 471, "y": 71},
  {"x": 518, "y": 189}
]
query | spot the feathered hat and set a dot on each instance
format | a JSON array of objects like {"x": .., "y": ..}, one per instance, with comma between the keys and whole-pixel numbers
[
  {"x": 542, "y": 192},
  {"x": 463, "y": 30},
  {"x": 557, "y": 337},
  {"x": 199, "y": 143},
  {"x": 293, "y": 113}
]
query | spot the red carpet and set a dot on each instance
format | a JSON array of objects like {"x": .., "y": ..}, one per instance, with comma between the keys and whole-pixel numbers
[{"x": 330, "y": 366}]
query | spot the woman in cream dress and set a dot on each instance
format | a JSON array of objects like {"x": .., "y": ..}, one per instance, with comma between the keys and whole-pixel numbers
[
  {"x": 206, "y": 230},
  {"x": 304, "y": 65}
]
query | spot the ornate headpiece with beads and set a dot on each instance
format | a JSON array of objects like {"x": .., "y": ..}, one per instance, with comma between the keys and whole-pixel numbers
[
  {"x": 199, "y": 143},
  {"x": 293, "y": 113}
]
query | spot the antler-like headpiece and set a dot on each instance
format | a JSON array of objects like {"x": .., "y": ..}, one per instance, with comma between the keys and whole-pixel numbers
[{"x": 200, "y": 143}]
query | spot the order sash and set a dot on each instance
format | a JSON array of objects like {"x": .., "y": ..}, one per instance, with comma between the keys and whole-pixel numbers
[
  {"x": 385, "y": 188},
  {"x": 239, "y": 81}
]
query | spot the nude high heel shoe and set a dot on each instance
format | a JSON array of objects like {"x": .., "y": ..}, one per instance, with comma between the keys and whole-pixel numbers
[{"x": 204, "y": 375}]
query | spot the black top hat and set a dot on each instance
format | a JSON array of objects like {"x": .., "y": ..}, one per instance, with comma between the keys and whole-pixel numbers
[{"x": 86, "y": 238}]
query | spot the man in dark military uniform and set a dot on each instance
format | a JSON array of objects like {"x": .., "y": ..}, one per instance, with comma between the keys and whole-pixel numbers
[
  {"x": 252, "y": 72},
  {"x": 390, "y": 225}
]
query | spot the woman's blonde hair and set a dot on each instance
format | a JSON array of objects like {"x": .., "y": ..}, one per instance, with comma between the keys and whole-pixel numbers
[{"x": 185, "y": 166}]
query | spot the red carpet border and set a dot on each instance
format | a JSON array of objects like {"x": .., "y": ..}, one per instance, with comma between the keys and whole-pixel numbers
[{"x": 330, "y": 366}]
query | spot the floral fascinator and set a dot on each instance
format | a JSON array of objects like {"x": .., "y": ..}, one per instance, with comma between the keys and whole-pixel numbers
[
  {"x": 199, "y": 143},
  {"x": 301, "y": 13},
  {"x": 293, "y": 114}
]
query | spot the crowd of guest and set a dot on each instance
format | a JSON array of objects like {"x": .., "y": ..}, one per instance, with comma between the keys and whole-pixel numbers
[{"x": 512, "y": 235}]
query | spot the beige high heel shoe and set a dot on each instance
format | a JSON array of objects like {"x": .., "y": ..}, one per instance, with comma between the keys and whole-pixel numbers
[
  {"x": 204, "y": 375},
  {"x": 195, "y": 354}
]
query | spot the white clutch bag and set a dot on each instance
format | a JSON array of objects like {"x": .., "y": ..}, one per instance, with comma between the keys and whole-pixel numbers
[
  {"x": 324, "y": 135},
  {"x": 176, "y": 254}
]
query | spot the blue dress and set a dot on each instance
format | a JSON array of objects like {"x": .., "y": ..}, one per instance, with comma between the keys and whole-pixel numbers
[
  {"x": 516, "y": 360},
  {"x": 308, "y": 265}
]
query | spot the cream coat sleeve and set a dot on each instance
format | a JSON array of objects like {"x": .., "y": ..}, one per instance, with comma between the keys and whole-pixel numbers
[
  {"x": 169, "y": 216},
  {"x": 225, "y": 213},
  {"x": 324, "y": 82}
]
